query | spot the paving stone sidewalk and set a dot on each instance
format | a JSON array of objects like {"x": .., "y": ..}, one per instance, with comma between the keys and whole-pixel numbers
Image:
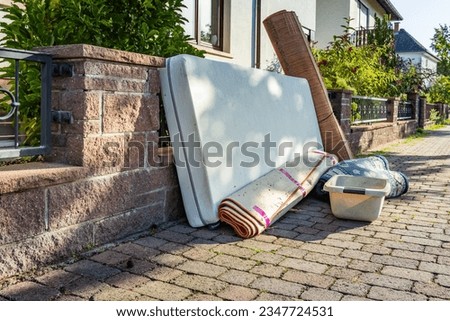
[{"x": 307, "y": 255}]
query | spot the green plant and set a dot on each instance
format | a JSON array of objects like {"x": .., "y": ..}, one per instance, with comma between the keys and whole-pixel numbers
[
  {"x": 441, "y": 44},
  {"x": 153, "y": 27},
  {"x": 438, "y": 119},
  {"x": 367, "y": 70},
  {"x": 435, "y": 126},
  {"x": 370, "y": 70},
  {"x": 434, "y": 116},
  {"x": 355, "y": 115},
  {"x": 419, "y": 134},
  {"x": 382, "y": 36},
  {"x": 420, "y": 131},
  {"x": 440, "y": 90},
  {"x": 411, "y": 78}
]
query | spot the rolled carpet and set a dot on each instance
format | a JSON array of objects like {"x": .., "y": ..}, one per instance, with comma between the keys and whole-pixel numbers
[
  {"x": 294, "y": 53},
  {"x": 253, "y": 208}
]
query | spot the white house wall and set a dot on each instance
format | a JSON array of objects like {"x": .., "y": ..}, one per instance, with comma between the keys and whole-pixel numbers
[
  {"x": 241, "y": 32},
  {"x": 331, "y": 16},
  {"x": 415, "y": 57},
  {"x": 305, "y": 10},
  {"x": 240, "y": 28},
  {"x": 374, "y": 9},
  {"x": 420, "y": 59}
]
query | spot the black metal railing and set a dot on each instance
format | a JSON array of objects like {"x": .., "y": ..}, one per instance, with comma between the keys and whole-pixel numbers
[
  {"x": 368, "y": 109},
  {"x": 11, "y": 133},
  {"x": 405, "y": 110},
  {"x": 309, "y": 33}
]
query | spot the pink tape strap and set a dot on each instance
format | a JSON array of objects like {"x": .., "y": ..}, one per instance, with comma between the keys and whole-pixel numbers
[
  {"x": 263, "y": 215},
  {"x": 331, "y": 157},
  {"x": 293, "y": 180}
]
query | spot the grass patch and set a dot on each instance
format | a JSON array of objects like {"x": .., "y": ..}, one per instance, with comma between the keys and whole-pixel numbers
[
  {"x": 22, "y": 160},
  {"x": 382, "y": 152},
  {"x": 419, "y": 134},
  {"x": 436, "y": 126}
]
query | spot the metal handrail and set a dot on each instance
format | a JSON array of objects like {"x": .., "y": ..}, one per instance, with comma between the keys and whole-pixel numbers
[{"x": 15, "y": 150}]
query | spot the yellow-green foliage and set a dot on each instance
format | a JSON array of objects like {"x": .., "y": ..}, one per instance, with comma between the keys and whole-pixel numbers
[
  {"x": 440, "y": 91},
  {"x": 359, "y": 69},
  {"x": 369, "y": 70}
]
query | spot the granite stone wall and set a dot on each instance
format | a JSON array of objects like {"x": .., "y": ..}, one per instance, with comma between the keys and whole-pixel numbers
[
  {"x": 363, "y": 137},
  {"x": 105, "y": 178}
]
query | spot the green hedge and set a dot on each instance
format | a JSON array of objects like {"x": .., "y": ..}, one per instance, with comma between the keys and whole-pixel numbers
[{"x": 151, "y": 27}]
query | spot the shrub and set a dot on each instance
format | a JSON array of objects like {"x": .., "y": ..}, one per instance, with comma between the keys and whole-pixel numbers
[
  {"x": 440, "y": 90},
  {"x": 153, "y": 27},
  {"x": 366, "y": 70}
]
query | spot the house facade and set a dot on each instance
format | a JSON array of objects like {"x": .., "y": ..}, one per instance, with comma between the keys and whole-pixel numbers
[
  {"x": 331, "y": 14},
  {"x": 233, "y": 31},
  {"x": 411, "y": 50}
]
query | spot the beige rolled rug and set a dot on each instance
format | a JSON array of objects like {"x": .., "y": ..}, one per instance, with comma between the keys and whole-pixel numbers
[{"x": 253, "y": 208}]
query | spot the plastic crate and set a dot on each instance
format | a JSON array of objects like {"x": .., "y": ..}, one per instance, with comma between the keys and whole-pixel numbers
[{"x": 357, "y": 197}]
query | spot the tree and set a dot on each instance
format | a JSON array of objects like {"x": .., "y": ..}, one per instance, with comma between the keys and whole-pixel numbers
[
  {"x": 440, "y": 91},
  {"x": 441, "y": 44}
]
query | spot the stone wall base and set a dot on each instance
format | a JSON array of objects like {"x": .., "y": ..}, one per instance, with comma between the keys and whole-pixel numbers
[
  {"x": 365, "y": 137},
  {"x": 54, "y": 211}
]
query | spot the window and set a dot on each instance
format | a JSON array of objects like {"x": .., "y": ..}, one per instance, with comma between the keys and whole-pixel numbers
[
  {"x": 205, "y": 22},
  {"x": 363, "y": 16}
]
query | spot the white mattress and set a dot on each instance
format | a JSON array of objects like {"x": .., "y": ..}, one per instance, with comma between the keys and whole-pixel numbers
[{"x": 229, "y": 107}]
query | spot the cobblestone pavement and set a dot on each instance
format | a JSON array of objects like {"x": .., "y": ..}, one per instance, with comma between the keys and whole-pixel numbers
[{"x": 307, "y": 255}]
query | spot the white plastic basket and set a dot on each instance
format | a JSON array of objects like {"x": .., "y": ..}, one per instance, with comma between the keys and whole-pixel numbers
[{"x": 357, "y": 197}]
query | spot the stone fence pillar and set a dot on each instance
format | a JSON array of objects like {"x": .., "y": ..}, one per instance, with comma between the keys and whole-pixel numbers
[
  {"x": 422, "y": 117},
  {"x": 414, "y": 99},
  {"x": 392, "y": 110},
  {"x": 341, "y": 102},
  {"x": 113, "y": 98},
  {"x": 438, "y": 108}
]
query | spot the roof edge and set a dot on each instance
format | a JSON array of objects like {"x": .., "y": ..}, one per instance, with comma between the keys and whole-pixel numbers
[
  {"x": 423, "y": 49},
  {"x": 390, "y": 9}
]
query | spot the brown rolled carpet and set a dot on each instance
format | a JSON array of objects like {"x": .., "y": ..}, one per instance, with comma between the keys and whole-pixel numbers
[{"x": 296, "y": 59}]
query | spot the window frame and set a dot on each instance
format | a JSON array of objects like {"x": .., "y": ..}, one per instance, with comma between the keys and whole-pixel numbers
[
  {"x": 363, "y": 8},
  {"x": 197, "y": 25}
]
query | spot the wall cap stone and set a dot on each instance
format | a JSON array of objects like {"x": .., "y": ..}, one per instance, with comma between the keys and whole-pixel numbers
[
  {"x": 346, "y": 91},
  {"x": 369, "y": 127},
  {"x": 20, "y": 177},
  {"x": 78, "y": 51}
]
